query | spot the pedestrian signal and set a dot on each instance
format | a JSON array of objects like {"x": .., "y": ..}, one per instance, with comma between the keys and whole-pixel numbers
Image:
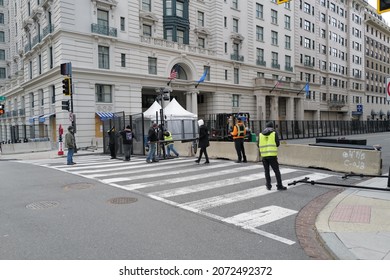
[
  {"x": 383, "y": 6},
  {"x": 66, "y": 105},
  {"x": 67, "y": 86}
]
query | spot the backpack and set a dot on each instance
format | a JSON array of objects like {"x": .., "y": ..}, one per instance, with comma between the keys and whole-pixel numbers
[{"x": 129, "y": 136}]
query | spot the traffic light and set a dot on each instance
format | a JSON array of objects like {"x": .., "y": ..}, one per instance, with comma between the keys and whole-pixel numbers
[
  {"x": 66, "y": 105},
  {"x": 67, "y": 86},
  {"x": 383, "y": 6},
  {"x": 282, "y": 1},
  {"x": 2, "y": 109}
]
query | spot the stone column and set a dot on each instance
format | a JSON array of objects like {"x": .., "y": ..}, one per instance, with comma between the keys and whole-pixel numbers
[
  {"x": 274, "y": 108},
  {"x": 290, "y": 109},
  {"x": 192, "y": 101}
]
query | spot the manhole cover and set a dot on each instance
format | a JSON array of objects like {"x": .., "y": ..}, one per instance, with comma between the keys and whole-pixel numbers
[
  {"x": 42, "y": 205},
  {"x": 122, "y": 200},
  {"x": 78, "y": 186}
]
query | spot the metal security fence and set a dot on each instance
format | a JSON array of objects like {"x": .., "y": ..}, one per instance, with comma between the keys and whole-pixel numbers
[
  {"x": 302, "y": 129},
  {"x": 23, "y": 133}
]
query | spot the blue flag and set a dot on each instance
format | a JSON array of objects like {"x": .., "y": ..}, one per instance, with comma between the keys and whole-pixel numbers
[
  {"x": 201, "y": 80},
  {"x": 307, "y": 88}
]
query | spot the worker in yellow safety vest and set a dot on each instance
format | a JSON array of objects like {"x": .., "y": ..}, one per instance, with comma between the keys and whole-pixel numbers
[
  {"x": 268, "y": 146},
  {"x": 170, "y": 147},
  {"x": 238, "y": 133}
]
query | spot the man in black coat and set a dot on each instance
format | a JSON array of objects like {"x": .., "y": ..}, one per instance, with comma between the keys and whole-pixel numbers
[{"x": 203, "y": 142}]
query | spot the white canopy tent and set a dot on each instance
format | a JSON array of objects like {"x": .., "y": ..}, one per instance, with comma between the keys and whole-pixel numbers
[{"x": 180, "y": 122}]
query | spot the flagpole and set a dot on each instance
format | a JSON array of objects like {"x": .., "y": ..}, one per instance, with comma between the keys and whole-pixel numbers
[
  {"x": 302, "y": 89},
  {"x": 276, "y": 85}
]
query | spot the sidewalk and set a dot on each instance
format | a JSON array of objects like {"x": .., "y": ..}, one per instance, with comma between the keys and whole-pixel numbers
[{"x": 355, "y": 224}]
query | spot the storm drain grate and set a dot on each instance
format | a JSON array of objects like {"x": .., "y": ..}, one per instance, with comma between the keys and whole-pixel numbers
[
  {"x": 122, "y": 200},
  {"x": 78, "y": 186},
  {"x": 42, "y": 205}
]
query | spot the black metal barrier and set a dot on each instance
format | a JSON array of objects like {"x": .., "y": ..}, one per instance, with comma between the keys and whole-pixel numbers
[
  {"x": 307, "y": 180},
  {"x": 362, "y": 175}
]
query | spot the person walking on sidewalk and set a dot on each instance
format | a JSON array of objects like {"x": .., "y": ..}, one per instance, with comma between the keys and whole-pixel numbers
[
  {"x": 203, "y": 142},
  {"x": 70, "y": 143},
  {"x": 152, "y": 142},
  {"x": 170, "y": 147},
  {"x": 268, "y": 146},
  {"x": 127, "y": 138},
  {"x": 239, "y": 132}
]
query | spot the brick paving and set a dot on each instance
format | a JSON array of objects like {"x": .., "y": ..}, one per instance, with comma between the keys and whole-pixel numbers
[
  {"x": 351, "y": 214},
  {"x": 306, "y": 230}
]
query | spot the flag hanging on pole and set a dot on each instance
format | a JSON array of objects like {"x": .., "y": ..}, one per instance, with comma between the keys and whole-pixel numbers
[
  {"x": 307, "y": 89},
  {"x": 278, "y": 84},
  {"x": 173, "y": 74},
  {"x": 201, "y": 80}
]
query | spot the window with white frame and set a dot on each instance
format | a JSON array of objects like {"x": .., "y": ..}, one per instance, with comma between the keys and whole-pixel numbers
[
  {"x": 235, "y": 25},
  {"x": 104, "y": 57},
  {"x": 152, "y": 65},
  {"x": 259, "y": 33},
  {"x": 146, "y": 30},
  {"x": 235, "y": 101},
  {"x": 200, "y": 18},
  {"x": 274, "y": 16},
  {"x": 103, "y": 93},
  {"x": 235, "y": 4},
  {"x": 147, "y": 5},
  {"x": 274, "y": 38},
  {"x": 259, "y": 11},
  {"x": 287, "y": 40},
  {"x": 123, "y": 60},
  {"x": 236, "y": 75},
  {"x": 287, "y": 22},
  {"x": 260, "y": 54}
]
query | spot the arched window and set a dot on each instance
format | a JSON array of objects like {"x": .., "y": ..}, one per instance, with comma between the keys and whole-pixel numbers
[{"x": 181, "y": 73}]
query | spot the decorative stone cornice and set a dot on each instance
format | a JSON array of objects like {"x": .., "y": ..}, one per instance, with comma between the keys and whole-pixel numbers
[
  {"x": 148, "y": 16},
  {"x": 202, "y": 31},
  {"x": 105, "y": 4}
]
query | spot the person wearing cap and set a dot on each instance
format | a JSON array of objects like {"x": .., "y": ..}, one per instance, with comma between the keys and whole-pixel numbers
[
  {"x": 239, "y": 133},
  {"x": 70, "y": 143},
  {"x": 203, "y": 142},
  {"x": 127, "y": 138},
  {"x": 152, "y": 142},
  {"x": 268, "y": 146}
]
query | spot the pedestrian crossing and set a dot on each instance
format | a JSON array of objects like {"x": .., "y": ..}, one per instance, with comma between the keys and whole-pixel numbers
[{"x": 198, "y": 188}]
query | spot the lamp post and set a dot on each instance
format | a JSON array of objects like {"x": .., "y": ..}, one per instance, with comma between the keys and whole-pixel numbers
[{"x": 164, "y": 94}]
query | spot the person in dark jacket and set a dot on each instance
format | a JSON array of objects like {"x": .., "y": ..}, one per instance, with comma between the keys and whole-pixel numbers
[
  {"x": 70, "y": 143},
  {"x": 203, "y": 142},
  {"x": 112, "y": 142},
  {"x": 152, "y": 142},
  {"x": 127, "y": 138},
  {"x": 268, "y": 146}
]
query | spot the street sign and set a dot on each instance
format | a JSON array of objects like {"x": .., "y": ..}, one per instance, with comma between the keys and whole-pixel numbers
[
  {"x": 359, "y": 108},
  {"x": 388, "y": 89},
  {"x": 2, "y": 98}
]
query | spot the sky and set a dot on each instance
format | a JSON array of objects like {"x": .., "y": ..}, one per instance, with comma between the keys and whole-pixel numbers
[{"x": 386, "y": 15}]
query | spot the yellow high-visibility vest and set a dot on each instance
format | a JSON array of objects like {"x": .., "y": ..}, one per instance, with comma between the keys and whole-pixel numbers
[
  {"x": 168, "y": 138},
  {"x": 267, "y": 145}
]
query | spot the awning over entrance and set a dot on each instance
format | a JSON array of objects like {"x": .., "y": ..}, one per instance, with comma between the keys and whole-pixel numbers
[
  {"x": 105, "y": 115},
  {"x": 43, "y": 118}
]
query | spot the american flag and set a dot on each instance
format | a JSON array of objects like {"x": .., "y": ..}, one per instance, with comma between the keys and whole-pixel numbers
[{"x": 173, "y": 74}]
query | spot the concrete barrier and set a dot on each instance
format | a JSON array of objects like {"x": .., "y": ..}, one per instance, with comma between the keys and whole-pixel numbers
[
  {"x": 346, "y": 160},
  {"x": 28, "y": 147}
]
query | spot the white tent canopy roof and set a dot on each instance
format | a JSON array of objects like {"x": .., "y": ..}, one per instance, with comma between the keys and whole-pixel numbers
[
  {"x": 151, "y": 112},
  {"x": 175, "y": 111}
]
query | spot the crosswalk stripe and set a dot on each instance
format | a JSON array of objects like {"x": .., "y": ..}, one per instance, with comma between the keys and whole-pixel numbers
[
  {"x": 220, "y": 200},
  {"x": 190, "y": 178},
  {"x": 216, "y": 184},
  {"x": 131, "y": 169},
  {"x": 173, "y": 172},
  {"x": 259, "y": 217},
  {"x": 219, "y": 218}
]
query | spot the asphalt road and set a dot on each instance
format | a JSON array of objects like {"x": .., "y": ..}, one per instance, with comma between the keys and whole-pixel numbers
[{"x": 50, "y": 214}]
